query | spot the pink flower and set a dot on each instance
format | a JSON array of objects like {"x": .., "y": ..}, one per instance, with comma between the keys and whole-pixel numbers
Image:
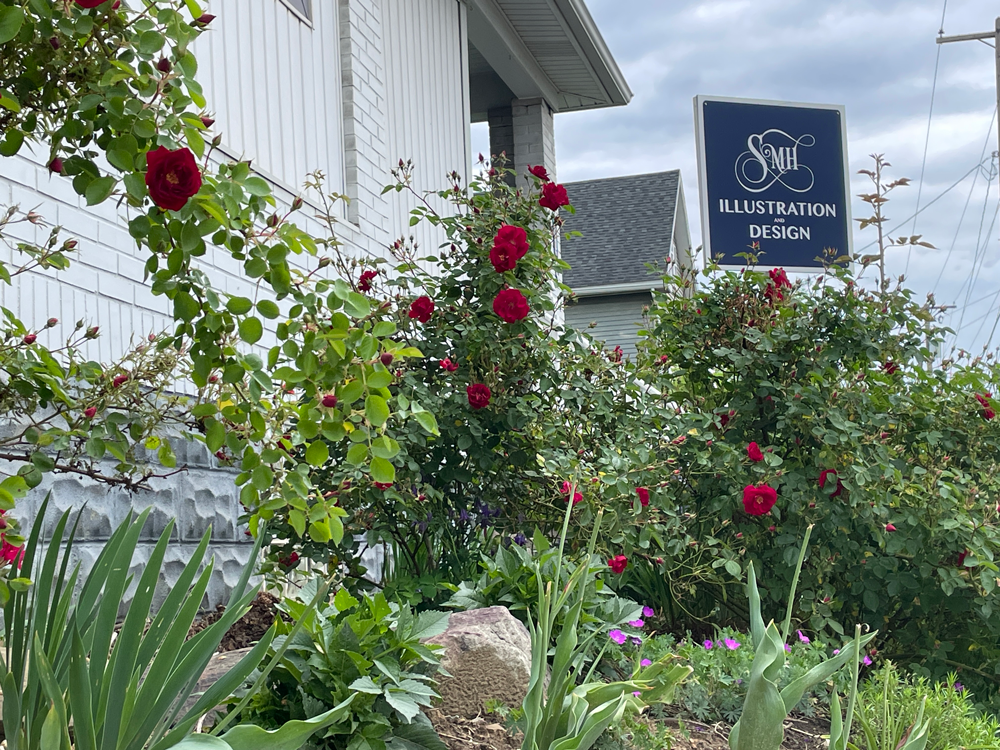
[
  {"x": 708, "y": 645},
  {"x": 618, "y": 563},
  {"x": 867, "y": 661},
  {"x": 890, "y": 527},
  {"x": 731, "y": 644},
  {"x": 803, "y": 638},
  {"x": 643, "y": 494},
  {"x": 753, "y": 452},
  {"x": 648, "y": 612},
  {"x": 759, "y": 499},
  {"x": 645, "y": 663},
  {"x": 637, "y": 623},
  {"x": 788, "y": 648},
  {"x": 617, "y": 636}
]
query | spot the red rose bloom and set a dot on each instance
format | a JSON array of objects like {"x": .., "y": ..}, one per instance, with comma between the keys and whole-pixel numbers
[
  {"x": 553, "y": 196},
  {"x": 510, "y": 305},
  {"x": 172, "y": 177},
  {"x": 479, "y": 395},
  {"x": 822, "y": 481},
  {"x": 509, "y": 246},
  {"x": 890, "y": 367},
  {"x": 618, "y": 563},
  {"x": 365, "y": 282},
  {"x": 448, "y": 365},
  {"x": 753, "y": 452},
  {"x": 382, "y": 485},
  {"x": 10, "y": 553},
  {"x": 643, "y": 494},
  {"x": 988, "y": 414},
  {"x": 779, "y": 278},
  {"x": 56, "y": 165},
  {"x": 577, "y": 496},
  {"x": 758, "y": 500},
  {"x": 421, "y": 309},
  {"x": 540, "y": 172}
]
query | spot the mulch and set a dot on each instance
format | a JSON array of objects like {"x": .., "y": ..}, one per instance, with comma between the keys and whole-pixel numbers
[
  {"x": 482, "y": 733},
  {"x": 248, "y": 629}
]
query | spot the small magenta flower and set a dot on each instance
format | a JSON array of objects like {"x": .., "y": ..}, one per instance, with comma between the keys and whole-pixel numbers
[
  {"x": 648, "y": 612},
  {"x": 788, "y": 648},
  {"x": 636, "y": 693},
  {"x": 867, "y": 661},
  {"x": 637, "y": 623},
  {"x": 647, "y": 663},
  {"x": 836, "y": 651},
  {"x": 708, "y": 645},
  {"x": 731, "y": 644},
  {"x": 803, "y": 638},
  {"x": 617, "y": 636},
  {"x": 959, "y": 687}
]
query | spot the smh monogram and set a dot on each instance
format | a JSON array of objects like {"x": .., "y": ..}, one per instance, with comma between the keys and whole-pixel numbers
[{"x": 773, "y": 157}]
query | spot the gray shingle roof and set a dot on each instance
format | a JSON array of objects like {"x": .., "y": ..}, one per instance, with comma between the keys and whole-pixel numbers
[{"x": 626, "y": 223}]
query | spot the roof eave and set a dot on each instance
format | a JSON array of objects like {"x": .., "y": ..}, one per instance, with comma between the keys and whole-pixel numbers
[{"x": 596, "y": 51}]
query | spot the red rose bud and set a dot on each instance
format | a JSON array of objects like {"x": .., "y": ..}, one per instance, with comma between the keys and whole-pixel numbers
[
  {"x": 221, "y": 455},
  {"x": 297, "y": 203},
  {"x": 753, "y": 452},
  {"x": 54, "y": 41},
  {"x": 207, "y": 122},
  {"x": 51, "y": 322},
  {"x": 618, "y": 563},
  {"x": 29, "y": 339},
  {"x": 329, "y": 401},
  {"x": 70, "y": 245},
  {"x": 890, "y": 527},
  {"x": 89, "y": 412},
  {"x": 56, "y": 165},
  {"x": 163, "y": 65},
  {"x": 204, "y": 19},
  {"x": 119, "y": 380},
  {"x": 213, "y": 378},
  {"x": 91, "y": 332},
  {"x": 386, "y": 358},
  {"x": 172, "y": 177}
]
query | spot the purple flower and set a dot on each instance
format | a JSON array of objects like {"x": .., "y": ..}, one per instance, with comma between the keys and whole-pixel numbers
[
  {"x": 739, "y": 680},
  {"x": 836, "y": 651},
  {"x": 520, "y": 539},
  {"x": 803, "y": 638},
  {"x": 731, "y": 644},
  {"x": 636, "y": 640},
  {"x": 959, "y": 687},
  {"x": 648, "y": 612},
  {"x": 636, "y": 693},
  {"x": 636, "y": 623},
  {"x": 708, "y": 645},
  {"x": 617, "y": 636},
  {"x": 788, "y": 648},
  {"x": 647, "y": 662},
  {"x": 867, "y": 661}
]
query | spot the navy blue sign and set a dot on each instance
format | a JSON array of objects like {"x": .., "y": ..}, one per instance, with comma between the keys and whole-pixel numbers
[{"x": 774, "y": 174}]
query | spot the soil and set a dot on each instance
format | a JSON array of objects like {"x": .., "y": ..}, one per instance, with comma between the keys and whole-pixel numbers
[
  {"x": 248, "y": 629},
  {"x": 482, "y": 733},
  {"x": 801, "y": 733}
]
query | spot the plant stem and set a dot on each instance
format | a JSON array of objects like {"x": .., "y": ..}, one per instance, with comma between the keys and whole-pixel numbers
[{"x": 795, "y": 582}]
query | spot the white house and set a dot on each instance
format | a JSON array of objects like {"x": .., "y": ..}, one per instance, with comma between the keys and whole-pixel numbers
[{"x": 348, "y": 87}]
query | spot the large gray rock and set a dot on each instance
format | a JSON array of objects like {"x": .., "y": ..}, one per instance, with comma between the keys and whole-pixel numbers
[{"x": 487, "y": 652}]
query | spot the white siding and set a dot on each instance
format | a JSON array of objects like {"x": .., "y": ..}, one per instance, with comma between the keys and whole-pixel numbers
[
  {"x": 274, "y": 84},
  {"x": 617, "y": 319},
  {"x": 427, "y": 73}
]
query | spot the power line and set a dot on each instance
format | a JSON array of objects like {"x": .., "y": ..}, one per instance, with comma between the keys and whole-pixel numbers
[
  {"x": 927, "y": 137},
  {"x": 980, "y": 249}
]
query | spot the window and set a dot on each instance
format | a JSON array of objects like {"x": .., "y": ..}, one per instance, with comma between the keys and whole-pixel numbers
[{"x": 301, "y": 8}]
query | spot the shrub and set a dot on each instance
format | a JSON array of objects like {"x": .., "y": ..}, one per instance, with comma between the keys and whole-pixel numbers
[{"x": 370, "y": 649}]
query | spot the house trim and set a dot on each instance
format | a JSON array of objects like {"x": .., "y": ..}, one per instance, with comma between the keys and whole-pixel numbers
[{"x": 608, "y": 289}]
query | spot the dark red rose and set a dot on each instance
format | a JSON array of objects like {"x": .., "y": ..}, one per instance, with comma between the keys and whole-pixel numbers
[
  {"x": 54, "y": 41},
  {"x": 479, "y": 395},
  {"x": 30, "y": 338},
  {"x": 448, "y": 365},
  {"x": 961, "y": 558},
  {"x": 386, "y": 358},
  {"x": 759, "y": 499},
  {"x": 616, "y": 355},
  {"x": 988, "y": 413},
  {"x": 329, "y": 401},
  {"x": 822, "y": 481},
  {"x": 163, "y": 65},
  {"x": 290, "y": 561},
  {"x": 509, "y": 246},
  {"x": 753, "y": 452},
  {"x": 890, "y": 367},
  {"x": 119, "y": 380},
  {"x": 421, "y": 309},
  {"x": 56, "y": 165},
  {"x": 983, "y": 399},
  {"x": 618, "y": 563},
  {"x": 643, "y": 494},
  {"x": 207, "y": 122},
  {"x": 204, "y": 19},
  {"x": 383, "y": 485},
  {"x": 365, "y": 282},
  {"x": 172, "y": 177},
  {"x": 510, "y": 305},
  {"x": 540, "y": 172},
  {"x": 553, "y": 196},
  {"x": 90, "y": 3},
  {"x": 90, "y": 412},
  {"x": 779, "y": 278}
]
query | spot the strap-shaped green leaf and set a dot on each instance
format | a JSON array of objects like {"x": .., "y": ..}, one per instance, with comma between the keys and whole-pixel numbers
[
  {"x": 756, "y": 620},
  {"x": 291, "y": 736},
  {"x": 793, "y": 691},
  {"x": 761, "y": 725}
]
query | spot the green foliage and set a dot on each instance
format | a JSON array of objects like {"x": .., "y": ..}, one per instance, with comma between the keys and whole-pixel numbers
[
  {"x": 368, "y": 649},
  {"x": 570, "y": 712},
  {"x": 61, "y": 668},
  {"x": 511, "y": 579},
  {"x": 890, "y": 700}
]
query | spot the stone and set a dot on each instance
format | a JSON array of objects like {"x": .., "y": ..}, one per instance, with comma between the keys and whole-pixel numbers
[{"x": 487, "y": 652}]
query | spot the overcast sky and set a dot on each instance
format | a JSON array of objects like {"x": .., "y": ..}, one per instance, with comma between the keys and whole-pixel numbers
[{"x": 876, "y": 57}]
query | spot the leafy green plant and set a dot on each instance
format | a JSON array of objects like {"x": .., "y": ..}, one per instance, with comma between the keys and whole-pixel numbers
[
  {"x": 65, "y": 666},
  {"x": 562, "y": 714},
  {"x": 369, "y": 650},
  {"x": 761, "y": 724},
  {"x": 889, "y": 700}
]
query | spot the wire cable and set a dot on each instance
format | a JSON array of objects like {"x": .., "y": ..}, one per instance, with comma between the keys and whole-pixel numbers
[{"x": 927, "y": 137}]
